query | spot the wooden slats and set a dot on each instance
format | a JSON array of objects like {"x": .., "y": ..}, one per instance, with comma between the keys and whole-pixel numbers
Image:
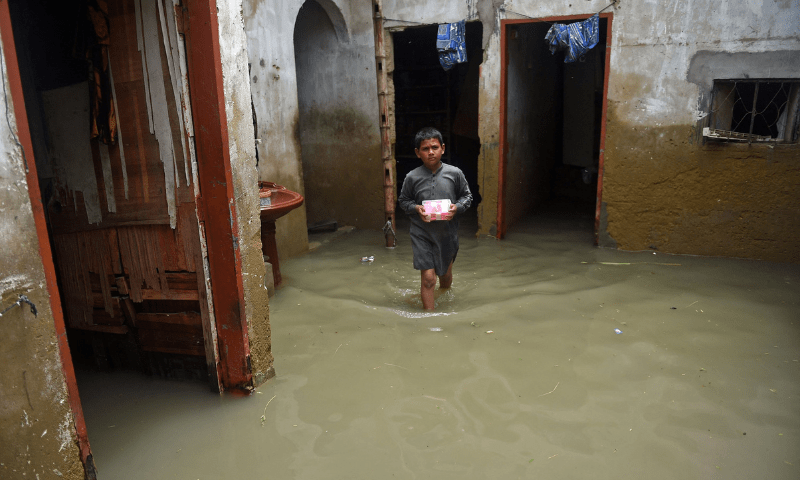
[
  {"x": 101, "y": 267},
  {"x": 180, "y": 333}
]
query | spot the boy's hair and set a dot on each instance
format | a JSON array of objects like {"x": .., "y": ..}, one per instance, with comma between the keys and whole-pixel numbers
[{"x": 427, "y": 133}]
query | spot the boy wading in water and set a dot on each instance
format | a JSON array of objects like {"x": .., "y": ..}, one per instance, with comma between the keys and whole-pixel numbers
[{"x": 434, "y": 242}]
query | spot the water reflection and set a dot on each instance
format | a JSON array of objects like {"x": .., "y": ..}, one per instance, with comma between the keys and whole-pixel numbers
[{"x": 518, "y": 373}]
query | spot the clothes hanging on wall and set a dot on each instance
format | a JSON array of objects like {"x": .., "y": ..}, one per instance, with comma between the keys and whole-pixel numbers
[
  {"x": 103, "y": 117},
  {"x": 576, "y": 38},
  {"x": 451, "y": 44}
]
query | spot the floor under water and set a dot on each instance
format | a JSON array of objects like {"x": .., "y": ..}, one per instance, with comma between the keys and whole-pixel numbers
[{"x": 549, "y": 358}]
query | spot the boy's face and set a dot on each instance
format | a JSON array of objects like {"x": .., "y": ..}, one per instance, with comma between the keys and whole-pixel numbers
[{"x": 430, "y": 152}]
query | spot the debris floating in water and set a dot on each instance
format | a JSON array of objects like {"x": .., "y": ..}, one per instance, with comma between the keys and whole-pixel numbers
[
  {"x": 617, "y": 331},
  {"x": 367, "y": 259},
  {"x": 489, "y": 331},
  {"x": 435, "y": 329}
]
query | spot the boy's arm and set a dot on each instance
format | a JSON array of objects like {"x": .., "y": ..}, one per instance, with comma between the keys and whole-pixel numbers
[
  {"x": 406, "y": 198},
  {"x": 408, "y": 202},
  {"x": 464, "y": 195}
]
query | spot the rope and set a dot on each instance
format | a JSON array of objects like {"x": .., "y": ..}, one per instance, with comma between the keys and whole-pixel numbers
[
  {"x": 387, "y": 229},
  {"x": 503, "y": 9},
  {"x": 18, "y": 303}
]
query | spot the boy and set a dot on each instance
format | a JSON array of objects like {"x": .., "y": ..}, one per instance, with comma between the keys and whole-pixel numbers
[{"x": 434, "y": 243}]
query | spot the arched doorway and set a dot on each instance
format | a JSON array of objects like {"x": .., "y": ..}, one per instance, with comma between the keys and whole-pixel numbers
[{"x": 338, "y": 133}]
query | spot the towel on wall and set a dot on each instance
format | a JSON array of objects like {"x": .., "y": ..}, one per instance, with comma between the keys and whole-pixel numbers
[
  {"x": 451, "y": 44},
  {"x": 577, "y": 38}
]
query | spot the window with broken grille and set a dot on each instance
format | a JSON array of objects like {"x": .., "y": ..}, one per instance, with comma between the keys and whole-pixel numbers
[{"x": 754, "y": 111}]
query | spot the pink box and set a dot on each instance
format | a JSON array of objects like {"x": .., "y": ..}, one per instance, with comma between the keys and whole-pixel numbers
[{"x": 436, "y": 208}]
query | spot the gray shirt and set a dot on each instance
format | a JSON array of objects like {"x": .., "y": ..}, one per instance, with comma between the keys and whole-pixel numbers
[{"x": 435, "y": 244}]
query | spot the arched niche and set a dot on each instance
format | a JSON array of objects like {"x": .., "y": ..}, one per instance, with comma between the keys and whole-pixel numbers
[
  {"x": 334, "y": 14},
  {"x": 334, "y": 77}
]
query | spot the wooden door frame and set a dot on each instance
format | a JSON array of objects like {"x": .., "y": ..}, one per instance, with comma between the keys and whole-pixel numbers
[
  {"x": 215, "y": 205},
  {"x": 503, "y": 147}
]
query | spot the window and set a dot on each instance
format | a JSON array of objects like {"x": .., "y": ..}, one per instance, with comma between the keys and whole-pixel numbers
[{"x": 754, "y": 111}]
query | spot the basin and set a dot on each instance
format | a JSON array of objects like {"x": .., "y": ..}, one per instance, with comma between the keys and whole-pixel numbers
[{"x": 276, "y": 201}]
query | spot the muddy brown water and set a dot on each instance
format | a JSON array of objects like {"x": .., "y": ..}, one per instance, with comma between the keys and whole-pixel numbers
[{"x": 517, "y": 374}]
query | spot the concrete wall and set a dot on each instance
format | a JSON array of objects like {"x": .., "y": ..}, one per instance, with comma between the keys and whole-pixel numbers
[
  {"x": 340, "y": 142},
  {"x": 663, "y": 189},
  {"x": 241, "y": 142},
  {"x": 36, "y": 424},
  {"x": 339, "y": 134}
]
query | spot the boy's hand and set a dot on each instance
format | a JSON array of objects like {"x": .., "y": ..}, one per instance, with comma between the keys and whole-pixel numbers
[
  {"x": 421, "y": 212},
  {"x": 450, "y": 213}
]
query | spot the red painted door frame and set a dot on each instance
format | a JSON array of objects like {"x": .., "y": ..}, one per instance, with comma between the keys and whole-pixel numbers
[
  {"x": 501, "y": 176},
  {"x": 216, "y": 206},
  {"x": 45, "y": 252}
]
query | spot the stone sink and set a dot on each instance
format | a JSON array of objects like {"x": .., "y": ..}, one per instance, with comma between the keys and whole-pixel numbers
[{"x": 276, "y": 201}]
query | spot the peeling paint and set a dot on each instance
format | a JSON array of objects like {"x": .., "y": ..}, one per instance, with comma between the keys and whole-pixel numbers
[{"x": 162, "y": 129}]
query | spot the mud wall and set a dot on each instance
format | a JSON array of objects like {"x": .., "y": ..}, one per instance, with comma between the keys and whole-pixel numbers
[
  {"x": 241, "y": 142},
  {"x": 36, "y": 424},
  {"x": 338, "y": 104},
  {"x": 665, "y": 188}
]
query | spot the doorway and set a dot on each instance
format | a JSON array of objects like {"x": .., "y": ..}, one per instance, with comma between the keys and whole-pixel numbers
[
  {"x": 552, "y": 124},
  {"x": 339, "y": 139},
  {"x": 428, "y": 96}
]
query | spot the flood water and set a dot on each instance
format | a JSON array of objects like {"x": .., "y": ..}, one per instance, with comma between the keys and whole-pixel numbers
[{"x": 519, "y": 372}]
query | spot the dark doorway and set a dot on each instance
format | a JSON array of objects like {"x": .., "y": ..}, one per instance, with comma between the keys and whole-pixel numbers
[
  {"x": 121, "y": 221},
  {"x": 427, "y": 95},
  {"x": 552, "y": 127}
]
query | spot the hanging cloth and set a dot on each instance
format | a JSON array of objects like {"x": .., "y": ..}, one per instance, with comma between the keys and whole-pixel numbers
[
  {"x": 451, "y": 44},
  {"x": 576, "y": 38},
  {"x": 103, "y": 117}
]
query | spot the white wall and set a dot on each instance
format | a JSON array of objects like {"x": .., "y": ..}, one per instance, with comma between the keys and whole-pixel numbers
[
  {"x": 653, "y": 43},
  {"x": 273, "y": 78}
]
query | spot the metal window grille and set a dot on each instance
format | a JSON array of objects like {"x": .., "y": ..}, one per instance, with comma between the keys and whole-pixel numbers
[{"x": 754, "y": 111}]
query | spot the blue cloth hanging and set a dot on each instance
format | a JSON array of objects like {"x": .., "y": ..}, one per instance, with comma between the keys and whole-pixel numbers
[
  {"x": 451, "y": 44},
  {"x": 576, "y": 38}
]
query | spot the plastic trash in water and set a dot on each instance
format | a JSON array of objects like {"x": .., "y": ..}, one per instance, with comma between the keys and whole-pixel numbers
[
  {"x": 435, "y": 329},
  {"x": 617, "y": 331},
  {"x": 367, "y": 259}
]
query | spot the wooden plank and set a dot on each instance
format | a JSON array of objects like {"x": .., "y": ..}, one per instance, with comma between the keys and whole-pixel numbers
[
  {"x": 100, "y": 317},
  {"x": 196, "y": 351},
  {"x": 182, "y": 280},
  {"x": 148, "y": 294},
  {"x": 120, "y": 329},
  {"x": 171, "y": 338},
  {"x": 147, "y": 320}
]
